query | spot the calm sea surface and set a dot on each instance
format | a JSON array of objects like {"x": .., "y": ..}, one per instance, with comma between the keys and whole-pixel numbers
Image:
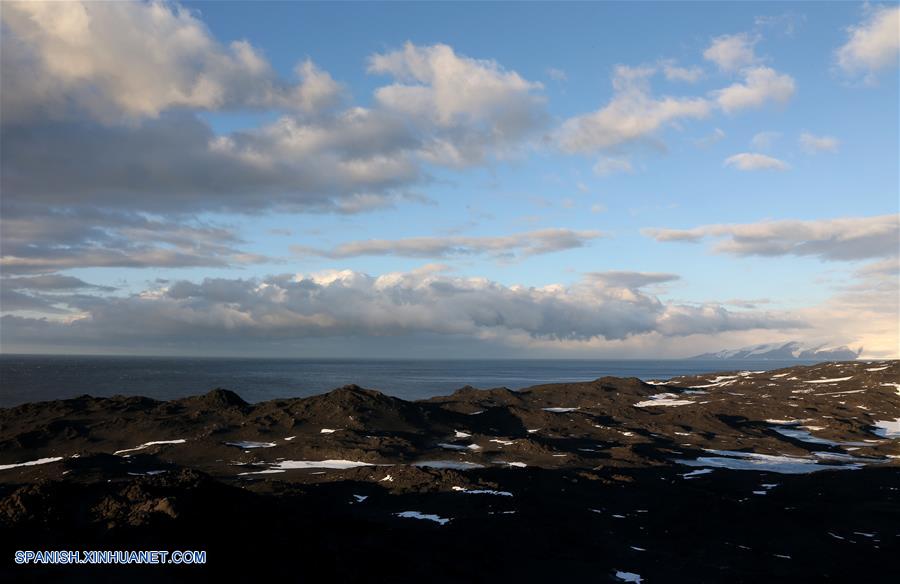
[{"x": 38, "y": 378}]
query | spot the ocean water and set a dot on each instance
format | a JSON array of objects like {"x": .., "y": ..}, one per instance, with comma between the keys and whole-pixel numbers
[{"x": 30, "y": 378}]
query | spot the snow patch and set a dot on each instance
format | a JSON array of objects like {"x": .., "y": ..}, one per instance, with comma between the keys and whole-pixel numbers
[
  {"x": 425, "y": 516},
  {"x": 31, "y": 462},
  {"x": 149, "y": 444}
]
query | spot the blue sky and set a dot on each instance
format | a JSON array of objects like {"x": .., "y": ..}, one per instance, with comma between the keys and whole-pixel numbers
[{"x": 778, "y": 199}]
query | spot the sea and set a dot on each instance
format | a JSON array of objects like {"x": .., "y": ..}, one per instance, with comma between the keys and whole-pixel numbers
[{"x": 33, "y": 378}]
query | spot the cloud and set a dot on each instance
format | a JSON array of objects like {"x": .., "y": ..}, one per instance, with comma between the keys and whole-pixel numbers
[
  {"x": 607, "y": 165},
  {"x": 873, "y": 44},
  {"x": 630, "y": 280},
  {"x": 760, "y": 85},
  {"x": 673, "y": 72},
  {"x": 108, "y": 95},
  {"x": 470, "y": 104},
  {"x": 843, "y": 239},
  {"x": 632, "y": 114},
  {"x": 50, "y": 282},
  {"x": 732, "y": 52},
  {"x": 41, "y": 241},
  {"x": 403, "y": 305},
  {"x": 764, "y": 140},
  {"x": 755, "y": 161},
  {"x": 813, "y": 144},
  {"x": 128, "y": 60},
  {"x": 525, "y": 244}
]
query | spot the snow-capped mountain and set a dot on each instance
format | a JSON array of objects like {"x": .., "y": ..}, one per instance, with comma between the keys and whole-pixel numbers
[{"x": 786, "y": 350}]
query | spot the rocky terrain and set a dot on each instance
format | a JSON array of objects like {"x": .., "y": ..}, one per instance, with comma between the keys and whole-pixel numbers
[{"x": 790, "y": 475}]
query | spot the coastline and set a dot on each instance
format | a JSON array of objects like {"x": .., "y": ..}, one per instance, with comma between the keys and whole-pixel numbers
[{"x": 670, "y": 480}]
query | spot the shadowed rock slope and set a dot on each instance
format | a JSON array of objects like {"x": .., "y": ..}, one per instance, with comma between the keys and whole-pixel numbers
[{"x": 787, "y": 475}]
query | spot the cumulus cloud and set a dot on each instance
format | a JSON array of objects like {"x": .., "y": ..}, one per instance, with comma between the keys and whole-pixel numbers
[
  {"x": 755, "y": 161},
  {"x": 873, "y": 44},
  {"x": 732, "y": 52},
  {"x": 403, "y": 304},
  {"x": 116, "y": 60},
  {"x": 813, "y": 144},
  {"x": 107, "y": 94},
  {"x": 474, "y": 104},
  {"x": 632, "y": 114},
  {"x": 673, "y": 72},
  {"x": 525, "y": 244},
  {"x": 844, "y": 239},
  {"x": 760, "y": 85}
]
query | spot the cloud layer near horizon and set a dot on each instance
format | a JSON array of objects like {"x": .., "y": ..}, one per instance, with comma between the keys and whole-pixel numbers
[{"x": 607, "y": 306}]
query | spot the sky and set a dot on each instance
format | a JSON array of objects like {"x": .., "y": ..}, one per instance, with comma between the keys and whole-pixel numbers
[{"x": 566, "y": 180}]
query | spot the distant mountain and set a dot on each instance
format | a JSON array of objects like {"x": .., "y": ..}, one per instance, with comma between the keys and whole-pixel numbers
[{"x": 786, "y": 351}]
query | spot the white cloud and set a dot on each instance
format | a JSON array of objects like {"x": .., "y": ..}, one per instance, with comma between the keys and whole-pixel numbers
[
  {"x": 843, "y": 239},
  {"x": 686, "y": 74},
  {"x": 476, "y": 103},
  {"x": 525, "y": 244},
  {"x": 764, "y": 140},
  {"x": 121, "y": 60},
  {"x": 632, "y": 114},
  {"x": 755, "y": 161},
  {"x": 813, "y": 144},
  {"x": 399, "y": 305},
  {"x": 731, "y": 52},
  {"x": 760, "y": 85},
  {"x": 873, "y": 44},
  {"x": 608, "y": 165}
]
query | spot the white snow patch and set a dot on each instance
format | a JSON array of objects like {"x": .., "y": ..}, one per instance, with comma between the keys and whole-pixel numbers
[
  {"x": 149, "y": 444},
  {"x": 248, "y": 444},
  {"x": 259, "y": 472},
  {"x": 628, "y": 577},
  {"x": 736, "y": 460},
  {"x": 559, "y": 410},
  {"x": 888, "y": 428},
  {"x": 426, "y": 516},
  {"x": 879, "y": 368},
  {"x": 31, "y": 462},
  {"x": 483, "y": 492},
  {"x": 663, "y": 399},
  {"x": 333, "y": 464},
  {"x": 327, "y": 431},
  {"x": 695, "y": 473},
  {"x": 360, "y": 498},
  {"x": 459, "y": 446},
  {"x": 842, "y": 392},
  {"x": 289, "y": 438},
  {"x": 832, "y": 380},
  {"x": 387, "y": 478},
  {"x": 503, "y": 442},
  {"x": 459, "y": 434},
  {"x": 894, "y": 385}
]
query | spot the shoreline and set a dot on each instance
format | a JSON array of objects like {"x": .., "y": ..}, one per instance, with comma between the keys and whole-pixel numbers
[{"x": 669, "y": 480}]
